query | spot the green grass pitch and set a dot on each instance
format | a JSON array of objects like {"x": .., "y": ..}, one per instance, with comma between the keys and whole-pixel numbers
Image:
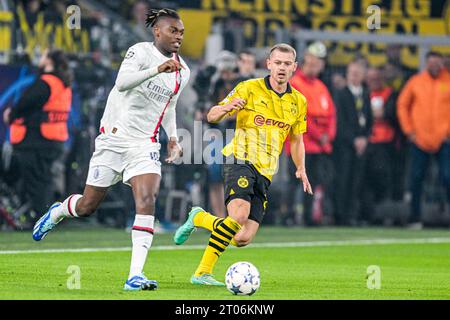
[{"x": 295, "y": 263}]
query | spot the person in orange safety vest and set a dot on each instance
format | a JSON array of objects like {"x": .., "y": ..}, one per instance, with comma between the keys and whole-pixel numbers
[
  {"x": 321, "y": 115},
  {"x": 38, "y": 128}
]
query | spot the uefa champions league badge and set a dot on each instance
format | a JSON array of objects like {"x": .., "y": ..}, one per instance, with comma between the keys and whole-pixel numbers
[{"x": 130, "y": 54}]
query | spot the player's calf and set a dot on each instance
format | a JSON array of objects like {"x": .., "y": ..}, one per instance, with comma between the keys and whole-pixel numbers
[
  {"x": 85, "y": 208},
  {"x": 77, "y": 205}
]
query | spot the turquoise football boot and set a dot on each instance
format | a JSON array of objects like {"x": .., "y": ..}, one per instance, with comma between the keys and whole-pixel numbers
[
  {"x": 206, "y": 279},
  {"x": 186, "y": 229}
]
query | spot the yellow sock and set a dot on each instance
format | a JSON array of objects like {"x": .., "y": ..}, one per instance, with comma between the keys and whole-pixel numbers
[
  {"x": 206, "y": 220},
  {"x": 220, "y": 238}
]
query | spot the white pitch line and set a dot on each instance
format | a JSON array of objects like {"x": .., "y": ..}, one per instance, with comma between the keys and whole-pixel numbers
[{"x": 254, "y": 245}]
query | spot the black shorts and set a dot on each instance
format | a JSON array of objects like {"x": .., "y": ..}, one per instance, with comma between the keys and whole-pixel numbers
[{"x": 243, "y": 181}]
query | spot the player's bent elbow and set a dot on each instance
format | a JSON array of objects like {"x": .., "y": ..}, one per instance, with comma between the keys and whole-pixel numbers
[
  {"x": 120, "y": 86},
  {"x": 213, "y": 115},
  {"x": 211, "y": 119}
]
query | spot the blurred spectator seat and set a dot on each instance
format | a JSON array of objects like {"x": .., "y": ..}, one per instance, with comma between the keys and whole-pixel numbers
[{"x": 174, "y": 195}]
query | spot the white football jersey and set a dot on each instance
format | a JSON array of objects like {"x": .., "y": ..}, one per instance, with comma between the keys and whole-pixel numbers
[{"x": 133, "y": 117}]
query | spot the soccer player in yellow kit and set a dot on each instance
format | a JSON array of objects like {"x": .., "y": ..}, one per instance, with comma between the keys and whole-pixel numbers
[{"x": 268, "y": 111}]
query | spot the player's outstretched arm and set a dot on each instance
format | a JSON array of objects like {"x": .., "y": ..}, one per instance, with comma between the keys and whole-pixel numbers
[
  {"x": 129, "y": 79},
  {"x": 219, "y": 112},
  {"x": 130, "y": 75},
  {"x": 298, "y": 156}
]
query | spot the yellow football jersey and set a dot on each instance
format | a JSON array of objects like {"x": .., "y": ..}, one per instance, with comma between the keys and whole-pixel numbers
[{"x": 264, "y": 123}]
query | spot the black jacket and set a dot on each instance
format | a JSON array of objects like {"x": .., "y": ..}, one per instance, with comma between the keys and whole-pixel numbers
[{"x": 352, "y": 123}]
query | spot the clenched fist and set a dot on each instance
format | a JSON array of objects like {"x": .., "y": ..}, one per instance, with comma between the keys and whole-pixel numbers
[
  {"x": 174, "y": 150},
  {"x": 170, "y": 66},
  {"x": 235, "y": 104}
]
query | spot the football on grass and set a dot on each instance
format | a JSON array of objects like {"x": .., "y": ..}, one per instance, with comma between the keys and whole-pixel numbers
[{"x": 242, "y": 278}]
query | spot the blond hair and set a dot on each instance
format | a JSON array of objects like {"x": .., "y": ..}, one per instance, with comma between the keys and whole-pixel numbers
[{"x": 283, "y": 47}]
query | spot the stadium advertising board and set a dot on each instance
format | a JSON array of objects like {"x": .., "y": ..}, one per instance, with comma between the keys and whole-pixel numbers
[{"x": 262, "y": 17}]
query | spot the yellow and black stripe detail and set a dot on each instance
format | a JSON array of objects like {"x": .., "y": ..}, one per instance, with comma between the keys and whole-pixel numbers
[
  {"x": 219, "y": 240},
  {"x": 228, "y": 229},
  {"x": 217, "y": 222},
  {"x": 215, "y": 246},
  {"x": 222, "y": 234}
]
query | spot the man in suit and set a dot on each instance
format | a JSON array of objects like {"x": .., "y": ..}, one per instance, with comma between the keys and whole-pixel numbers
[{"x": 354, "y": 123}]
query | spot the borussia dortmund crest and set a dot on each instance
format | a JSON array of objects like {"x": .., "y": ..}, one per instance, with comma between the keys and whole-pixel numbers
[
  {"x": 243, "y": 182},
  {"x": 294, "y": 110}
]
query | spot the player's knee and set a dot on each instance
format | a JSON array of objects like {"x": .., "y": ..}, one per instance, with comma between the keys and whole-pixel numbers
[
  {"x": 241, "y": 219},
  {"x": 240, "y": 244},
  {"x": 240, "y": 214},
  {"x": 242, "y": 240},
  {"x": 146, "y": 203},
  {"x": 239, "y": 210}
]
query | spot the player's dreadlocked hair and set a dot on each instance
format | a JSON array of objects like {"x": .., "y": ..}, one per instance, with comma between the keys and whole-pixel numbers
[{"x": 153, "y": 16}]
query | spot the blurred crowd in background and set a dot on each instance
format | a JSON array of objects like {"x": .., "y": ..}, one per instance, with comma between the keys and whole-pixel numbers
[{"x": 377, "y": 146}]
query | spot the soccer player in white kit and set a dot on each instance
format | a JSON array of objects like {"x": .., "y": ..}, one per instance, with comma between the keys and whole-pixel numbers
[{"x": 144, "y": 97}]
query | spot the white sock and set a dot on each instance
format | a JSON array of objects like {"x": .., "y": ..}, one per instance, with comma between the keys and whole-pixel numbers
[
  {"x": 142, "y": 237},
  {"x": 66, "y": 209}
]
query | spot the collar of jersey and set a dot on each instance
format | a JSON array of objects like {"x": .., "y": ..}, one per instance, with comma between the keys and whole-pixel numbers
[
  {"x": 157, "y": 52},
  {"x": 269, "y": 87}
]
